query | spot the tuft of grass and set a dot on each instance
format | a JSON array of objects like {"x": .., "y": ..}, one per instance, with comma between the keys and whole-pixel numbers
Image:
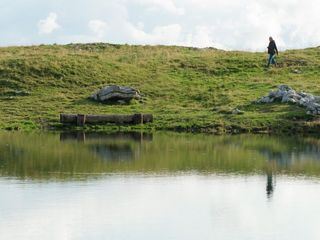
[{"x": 186, "y": 89}]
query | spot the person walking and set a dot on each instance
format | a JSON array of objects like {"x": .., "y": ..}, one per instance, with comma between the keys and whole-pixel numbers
[{"x": 272, "y": 51}]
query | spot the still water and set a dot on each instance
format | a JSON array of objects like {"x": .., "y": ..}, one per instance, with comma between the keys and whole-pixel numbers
[{"x": 158, "y": 186}]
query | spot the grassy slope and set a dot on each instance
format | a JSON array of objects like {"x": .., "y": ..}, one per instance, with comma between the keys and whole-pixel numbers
[{"x": 184, "y": 88}]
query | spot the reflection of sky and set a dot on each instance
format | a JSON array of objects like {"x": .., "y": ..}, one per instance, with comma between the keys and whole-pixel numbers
[{"x": 133, "y": 207}]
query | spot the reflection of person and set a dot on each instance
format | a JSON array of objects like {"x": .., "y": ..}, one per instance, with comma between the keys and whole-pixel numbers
[
  {"x": 272, "y": 51},
  {"x": 270, "y": 186}
]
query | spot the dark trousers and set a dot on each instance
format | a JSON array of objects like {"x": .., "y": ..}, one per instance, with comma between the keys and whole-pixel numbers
[{"x": 272, "y": 59}]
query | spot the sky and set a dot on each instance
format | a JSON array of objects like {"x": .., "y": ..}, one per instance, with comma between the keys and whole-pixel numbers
[{"x": 224, "y": 24}]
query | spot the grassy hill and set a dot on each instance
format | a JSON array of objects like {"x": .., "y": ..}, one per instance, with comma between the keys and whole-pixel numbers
[{"x": 185, "y": 88}]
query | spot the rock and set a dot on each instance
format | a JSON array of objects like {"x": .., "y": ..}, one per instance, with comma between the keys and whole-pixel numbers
[
  {"x": 290, "y": 97},
  {"x": 286, "y": 94},
  {"x": 285, "y": 98},
  {"x": 284, "y": 88},
  {"x": 313, "y": 106},
  {"x": 291, "y": 100},
  {"x": 236, "y": 111},
  {"x": 302, "y": 102},
  {"x": 302, "y": 94},
  {"x": 310, "y": 98},
  {"x": 296, "y": 71},
  {"x": 273, "y": 94},
  {"x": 317, "y": 99},
  {"x": 265, "y": 100},
  {"x": 116, "y": 93},
  {"x": 121, "y": 102}
]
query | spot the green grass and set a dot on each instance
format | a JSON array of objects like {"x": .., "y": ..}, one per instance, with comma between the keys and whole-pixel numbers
[{"x": 186, "y": 89}]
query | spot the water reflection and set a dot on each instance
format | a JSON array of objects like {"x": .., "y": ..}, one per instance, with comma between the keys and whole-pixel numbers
[
  {"x": 114, "y": 152},
  {"x": 82, "y": 136},
  {"x": 65, "y": 155},
  {"x": 110, "y": 147},
  {"x": 270, "y": 185},
  {"x": 203, "y": 186}
]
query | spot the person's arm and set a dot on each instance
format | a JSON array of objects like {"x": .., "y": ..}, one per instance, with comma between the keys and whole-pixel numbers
[
  {"x": 275, "y": 46},
  {"x": 269, "y": 45}
]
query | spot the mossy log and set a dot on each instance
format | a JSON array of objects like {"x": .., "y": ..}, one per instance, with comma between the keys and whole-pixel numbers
[{"x": 81, "y": 120}]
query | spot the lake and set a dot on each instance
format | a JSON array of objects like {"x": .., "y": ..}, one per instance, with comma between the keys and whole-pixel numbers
[{"x": 78, "y": 185}]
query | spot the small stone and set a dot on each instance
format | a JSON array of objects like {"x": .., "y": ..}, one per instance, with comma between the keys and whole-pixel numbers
[
  {"x": 296, "y": 71},
  {"x": 302, "y": 102},
  {"x": 236, "y": 111},
  {"x": 291, "y": 100}
]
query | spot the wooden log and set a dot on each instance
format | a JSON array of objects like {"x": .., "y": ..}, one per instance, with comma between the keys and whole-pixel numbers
[
  {"x": 81, "y": 120},
  {"x": 68, "y": 118},
  {"x": 137, "y": 118},
  {"x": 147, "y": 118}
]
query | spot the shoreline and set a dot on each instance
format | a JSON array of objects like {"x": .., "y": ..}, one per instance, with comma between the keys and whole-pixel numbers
[{"x": 294, "y": 129}]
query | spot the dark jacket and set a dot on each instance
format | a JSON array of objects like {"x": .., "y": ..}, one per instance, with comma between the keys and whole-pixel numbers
[{"x": 272, "y": 48}]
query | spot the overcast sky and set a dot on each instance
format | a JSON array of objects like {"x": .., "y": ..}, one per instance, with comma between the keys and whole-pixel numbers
[{"x": 226, "y": 24}]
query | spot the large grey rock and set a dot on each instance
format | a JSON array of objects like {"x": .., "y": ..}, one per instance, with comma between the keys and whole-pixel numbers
[
  {"x": 313, "y": 106},
  {"x": 116, "y": 93},
  {"x": 317, "y": 99},
  {"x": 286, "y": 94},
  {"x": 284, "y": 88},
  {"x": 266, "y": 99}
]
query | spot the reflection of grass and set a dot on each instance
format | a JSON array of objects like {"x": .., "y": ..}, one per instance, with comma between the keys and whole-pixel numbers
[
  {"x": 41, "y": 156},
  {"x": 185, "y": 88}
]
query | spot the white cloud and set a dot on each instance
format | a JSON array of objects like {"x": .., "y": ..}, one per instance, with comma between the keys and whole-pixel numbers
[
  {"x": 169, "y": 34},
  {"x": 201, "y": 37},
  {"x": 48, "y": 25},
  {"x": 168, "y": 5},
  {"x": 129, "y": 32},
  {"x": 98, "y": 27},
  {"x": 230, "y": 24}
]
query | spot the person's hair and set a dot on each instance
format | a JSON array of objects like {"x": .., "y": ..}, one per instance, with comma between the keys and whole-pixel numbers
[{"x": 271, "y": 38}]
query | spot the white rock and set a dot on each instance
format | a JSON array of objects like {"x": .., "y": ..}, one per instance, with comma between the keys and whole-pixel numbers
[
  {"x": 286, "y": 94},
  {"x": 116, "y": 93},
  {"x": 237, "y": 111}
]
